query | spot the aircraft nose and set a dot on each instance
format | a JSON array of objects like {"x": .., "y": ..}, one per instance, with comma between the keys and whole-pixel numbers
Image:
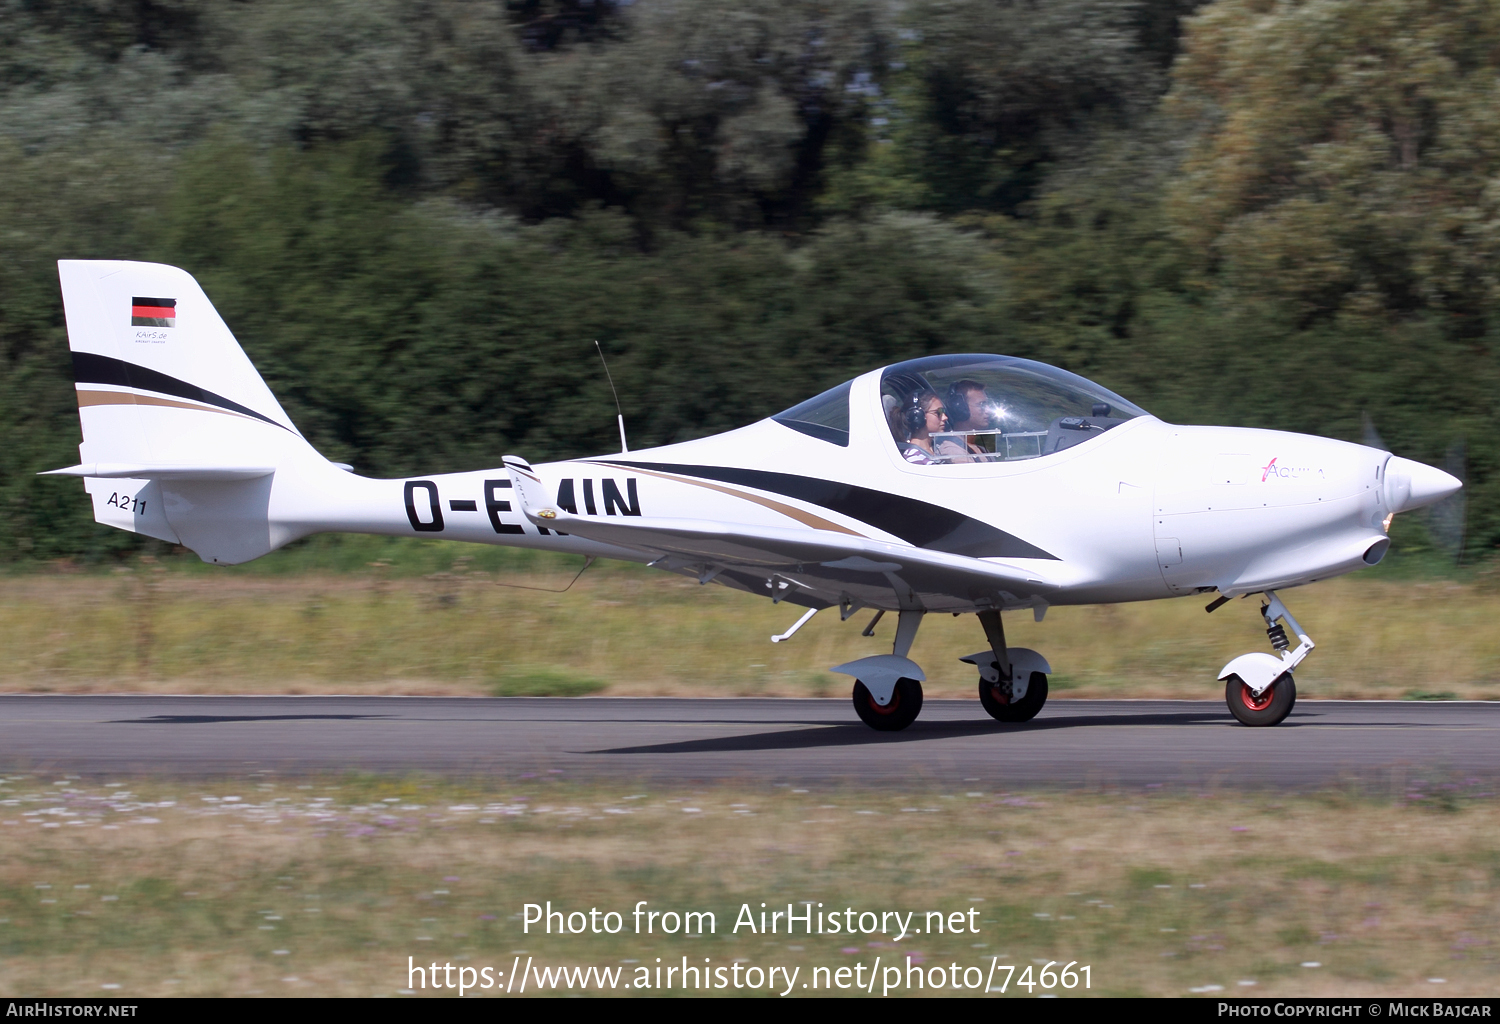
[{"x": 1410, "y": 485}]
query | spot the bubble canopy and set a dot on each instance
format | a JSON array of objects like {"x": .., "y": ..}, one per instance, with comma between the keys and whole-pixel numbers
[{"x": 946, "y": 410}]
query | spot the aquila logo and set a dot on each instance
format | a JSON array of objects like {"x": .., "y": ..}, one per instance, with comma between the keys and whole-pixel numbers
[{"x": 1272, "y": 471}]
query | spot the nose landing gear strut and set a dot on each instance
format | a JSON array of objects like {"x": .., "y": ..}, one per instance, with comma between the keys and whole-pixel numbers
[{"x": 1259, "y": 688}]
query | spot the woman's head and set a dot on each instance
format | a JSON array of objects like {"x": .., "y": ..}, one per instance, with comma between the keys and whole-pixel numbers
[{"x": 925, "y": 415}]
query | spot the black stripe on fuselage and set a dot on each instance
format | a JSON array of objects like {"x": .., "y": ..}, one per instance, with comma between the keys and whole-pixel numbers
[
  {"x": 89, "y": 368},
  {"x": 918, "y": 523}
]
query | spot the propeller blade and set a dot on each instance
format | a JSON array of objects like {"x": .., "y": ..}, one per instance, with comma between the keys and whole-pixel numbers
[
  {"x": 1369, "y": 436},
  {"x": 1446, "y": 520}
]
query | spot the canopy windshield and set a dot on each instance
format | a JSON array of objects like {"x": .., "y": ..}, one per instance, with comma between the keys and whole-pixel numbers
[
  {"x": 946, "y": 410},
  {"x": 824, "y": 416}
]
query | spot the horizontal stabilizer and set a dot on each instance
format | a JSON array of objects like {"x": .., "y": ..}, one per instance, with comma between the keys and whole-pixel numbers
[{"x": 160, "y": 471}]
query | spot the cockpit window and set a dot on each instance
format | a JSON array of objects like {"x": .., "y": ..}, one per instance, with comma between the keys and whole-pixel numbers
[
  {"x": 947, "y": 410},
  {"x": 825, "y": 417}
]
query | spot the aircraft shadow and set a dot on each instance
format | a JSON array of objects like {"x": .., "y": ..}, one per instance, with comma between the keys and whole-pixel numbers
[
  {"x": 216, "y": 719},
  {"x": 855, "y": 735}
]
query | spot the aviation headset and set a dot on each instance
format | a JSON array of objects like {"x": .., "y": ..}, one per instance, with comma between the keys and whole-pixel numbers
[
  {"x": 956, "y": 401},
  {"x": 916, "y": 415}
]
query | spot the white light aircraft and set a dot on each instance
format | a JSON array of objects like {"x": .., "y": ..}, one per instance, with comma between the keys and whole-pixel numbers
[{"x": 950, "y": 484}]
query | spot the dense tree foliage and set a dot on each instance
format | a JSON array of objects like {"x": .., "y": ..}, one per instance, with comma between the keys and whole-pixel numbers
[{"x": 1266, "y": 212}]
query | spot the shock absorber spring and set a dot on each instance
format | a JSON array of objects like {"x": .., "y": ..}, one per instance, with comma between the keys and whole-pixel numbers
[{"x": 1277, "y": 632}]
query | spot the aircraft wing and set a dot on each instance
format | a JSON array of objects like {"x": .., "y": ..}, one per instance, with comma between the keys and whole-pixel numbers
[{"x": 816, "y": 568}]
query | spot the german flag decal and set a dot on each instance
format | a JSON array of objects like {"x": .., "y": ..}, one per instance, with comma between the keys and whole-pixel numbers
[{"x": 148, "y": 312}]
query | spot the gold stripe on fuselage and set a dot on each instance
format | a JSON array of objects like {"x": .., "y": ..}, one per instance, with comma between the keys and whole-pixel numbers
[{"x": 805, "y": 518}]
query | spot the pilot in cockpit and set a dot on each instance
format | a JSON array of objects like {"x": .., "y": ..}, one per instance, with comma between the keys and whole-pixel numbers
[{"x": 969, "y": 408}]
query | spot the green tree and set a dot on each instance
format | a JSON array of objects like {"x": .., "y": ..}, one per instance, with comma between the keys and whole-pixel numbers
[
  {"x": 998, "y": 93},
  {"x": 1345, "y": 154}
]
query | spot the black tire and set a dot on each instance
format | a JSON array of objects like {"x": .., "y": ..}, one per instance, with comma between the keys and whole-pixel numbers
[
  {"x": 1275, "y": 704},
  {"x": 1023, "y": 710},
  {"x": 905, "y": 706}
]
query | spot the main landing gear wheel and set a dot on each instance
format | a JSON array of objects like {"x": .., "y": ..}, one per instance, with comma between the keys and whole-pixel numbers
[
  {"x": 1273, "y": 704},
  {"x": 998, "y": 703},
  {"x": 905, "y": 705}
]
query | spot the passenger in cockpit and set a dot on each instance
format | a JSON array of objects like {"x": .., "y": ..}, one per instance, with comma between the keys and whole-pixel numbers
[
  {"x": 922, "y": 416},
  {"x": 969, "y": 408}
]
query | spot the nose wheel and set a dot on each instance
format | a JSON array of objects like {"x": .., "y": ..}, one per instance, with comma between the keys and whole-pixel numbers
[
  {"x": 1258, "y": 687},
  {"x": 1272, "y": 705}
]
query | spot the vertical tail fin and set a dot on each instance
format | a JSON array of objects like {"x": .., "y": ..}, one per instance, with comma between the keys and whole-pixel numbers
[
  {"x": 159, "y": 376},
  {"x": 172, "y": 410}
]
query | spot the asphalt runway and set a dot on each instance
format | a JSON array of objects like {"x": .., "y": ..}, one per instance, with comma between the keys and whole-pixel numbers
[{"x": 1072, "y": 743}]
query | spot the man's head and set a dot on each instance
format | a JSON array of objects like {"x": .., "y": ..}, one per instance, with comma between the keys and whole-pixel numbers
[{"x": 968, "y": 405}]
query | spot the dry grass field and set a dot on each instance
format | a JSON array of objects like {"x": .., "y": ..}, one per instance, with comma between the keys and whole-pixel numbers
[
  {"x": 169, "y": 626},
  {"x": 280, "y": 887}
]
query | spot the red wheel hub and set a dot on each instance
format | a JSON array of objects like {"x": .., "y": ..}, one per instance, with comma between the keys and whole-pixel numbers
[
  {"x": 890, "y": 708},
  {"x": 1254, "y": 703}
]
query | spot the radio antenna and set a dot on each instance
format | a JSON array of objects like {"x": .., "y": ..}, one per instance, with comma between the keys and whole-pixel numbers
[{"x": 619, "y": 416}]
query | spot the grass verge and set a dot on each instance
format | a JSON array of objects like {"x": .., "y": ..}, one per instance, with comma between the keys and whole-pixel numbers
[
  {"x": 160, "y": 626},
  {"x": 283, "y": 887}
]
